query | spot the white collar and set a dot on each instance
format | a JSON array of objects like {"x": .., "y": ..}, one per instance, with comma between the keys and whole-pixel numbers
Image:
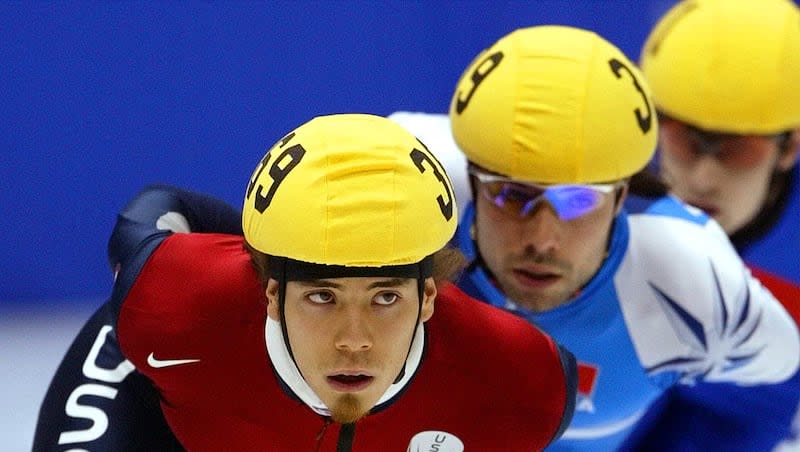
[{"x": 290, "y": 374}]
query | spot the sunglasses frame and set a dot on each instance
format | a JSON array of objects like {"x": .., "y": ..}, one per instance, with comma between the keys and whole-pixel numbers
[
  {"x": 484, "y": 178},
  {"x": 704, "y": 142}
]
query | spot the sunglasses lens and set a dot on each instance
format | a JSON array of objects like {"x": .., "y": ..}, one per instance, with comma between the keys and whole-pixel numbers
[
  {"x": 732, "y": 151},
  {"x": 573, "y": 201},
  {"x": 744, "y": 152},
  {"x": 515, "y": 199}
]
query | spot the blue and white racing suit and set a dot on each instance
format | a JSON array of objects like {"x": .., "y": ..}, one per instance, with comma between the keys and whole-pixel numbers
[{"x": 672, "y": 304}]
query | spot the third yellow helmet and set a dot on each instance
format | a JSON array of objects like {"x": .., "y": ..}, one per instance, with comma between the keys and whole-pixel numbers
[{"x": 727, "y": 65}]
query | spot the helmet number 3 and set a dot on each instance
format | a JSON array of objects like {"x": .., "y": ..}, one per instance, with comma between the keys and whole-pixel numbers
[
  {"x": 419, "y": 158},
  {"x": 280, "y": 168},
  {"x": 645, "y": 122}
]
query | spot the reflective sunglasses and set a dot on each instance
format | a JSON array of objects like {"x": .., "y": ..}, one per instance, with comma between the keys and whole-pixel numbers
[
  {"x": 689, "y": 143},
  {"x": 519, "y": 199}
]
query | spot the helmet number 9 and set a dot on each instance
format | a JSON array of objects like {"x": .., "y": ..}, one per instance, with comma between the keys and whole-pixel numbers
[
  {"x": 280, "y": 168},
  {"x": 645, "y": 122},
  {"x": 419, "y": 157},
  {"x": 482, "y": 70}
]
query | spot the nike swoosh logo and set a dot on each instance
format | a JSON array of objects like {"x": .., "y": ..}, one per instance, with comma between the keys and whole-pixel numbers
[{"x": 159, "y": 363}]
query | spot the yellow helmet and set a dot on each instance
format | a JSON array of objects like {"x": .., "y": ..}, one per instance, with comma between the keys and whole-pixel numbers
[
  {"x": 554, "y": 105},
  {"x": 727, "y": 65},
  {"x": 351, "y": 190}
]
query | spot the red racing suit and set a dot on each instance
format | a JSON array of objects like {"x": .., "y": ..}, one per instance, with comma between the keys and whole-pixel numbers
[{"x": 191, "y": 317}]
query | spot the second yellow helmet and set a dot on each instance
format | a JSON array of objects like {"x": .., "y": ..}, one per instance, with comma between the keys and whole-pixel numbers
[{"x": 554, "y": 105}]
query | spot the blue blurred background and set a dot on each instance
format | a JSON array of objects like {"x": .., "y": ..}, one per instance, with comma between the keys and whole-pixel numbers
[{"x": 99, "y": 99}]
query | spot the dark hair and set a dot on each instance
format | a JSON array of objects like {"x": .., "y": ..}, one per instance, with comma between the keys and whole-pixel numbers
[
  {"x": 448, "y": 262},
  {"x": 647, "y": 184}
]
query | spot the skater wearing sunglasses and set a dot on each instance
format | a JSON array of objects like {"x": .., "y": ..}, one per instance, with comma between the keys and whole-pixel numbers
[
  {"x": 648, "y": 293},
  {"x": 725, "y": 77}
]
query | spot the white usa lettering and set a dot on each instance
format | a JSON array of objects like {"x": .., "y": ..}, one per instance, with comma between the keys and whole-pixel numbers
[{"x": 96, "y": 415}]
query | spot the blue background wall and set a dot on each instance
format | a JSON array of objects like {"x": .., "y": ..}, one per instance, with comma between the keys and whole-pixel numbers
[{"x": 99, "y": 99}]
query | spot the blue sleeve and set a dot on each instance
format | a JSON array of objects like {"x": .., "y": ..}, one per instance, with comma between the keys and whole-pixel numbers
[
  {"x": 98, "y": 401},
  {"x": 159, "y": 210},
  {"x": 719, "y": 416},
  {"x": 570, "y": 367}
]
